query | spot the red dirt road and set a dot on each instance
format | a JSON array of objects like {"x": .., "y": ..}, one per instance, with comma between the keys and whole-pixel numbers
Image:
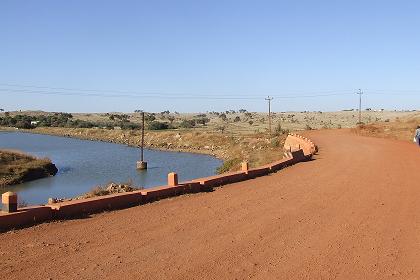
[{"x": 352, "y": 213}]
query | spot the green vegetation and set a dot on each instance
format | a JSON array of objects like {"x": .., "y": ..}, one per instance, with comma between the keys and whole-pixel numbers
[
  {"x": 155, "y": 125},
  {"x": 64, "y": 120},
  {"x": 187, "y": 124},
  {"x": 16, "y": 167},
  {"x": 228, "y": 165}
]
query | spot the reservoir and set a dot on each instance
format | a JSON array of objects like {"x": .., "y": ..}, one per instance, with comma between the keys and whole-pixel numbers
[{"x": 84, "y": 164}]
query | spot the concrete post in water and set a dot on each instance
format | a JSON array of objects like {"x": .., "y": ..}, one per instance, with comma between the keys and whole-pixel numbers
[
  {"x": 245, "y": 166},
  {"x": 141, "y": 165},
  {"x": 172, "y": 179},
  {"x": 9, "y": 201}
]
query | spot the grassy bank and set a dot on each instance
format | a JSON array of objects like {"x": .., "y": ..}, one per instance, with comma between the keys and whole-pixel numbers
[
  {"x": 17, "y": 167},
  {"x": 228, "y": 146}
]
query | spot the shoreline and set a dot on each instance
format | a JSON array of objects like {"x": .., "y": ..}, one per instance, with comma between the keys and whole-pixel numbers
[
  {"x": 33, "y": 131},
  {"x": 231, "y": 149},
  {"x": 51, "y": 133}
]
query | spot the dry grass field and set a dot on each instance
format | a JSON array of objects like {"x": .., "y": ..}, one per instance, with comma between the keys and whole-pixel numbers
[
  {"x": 233, "y": 136},
  {"x": 256, "y": 122}
]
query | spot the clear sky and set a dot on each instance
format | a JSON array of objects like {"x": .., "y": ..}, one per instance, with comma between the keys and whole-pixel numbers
[{"x": 190, "y": 56}]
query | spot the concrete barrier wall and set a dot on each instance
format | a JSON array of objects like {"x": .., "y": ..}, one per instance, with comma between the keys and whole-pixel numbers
[
  {"x": 82, "y": 207},
  {"x": 296, "y": 142},
  {"x": 25, "y": 217},
  {"x": 208, "y": 183},
  {"x": 298, "y": 148},
  {"x": 258, "y": 172}
]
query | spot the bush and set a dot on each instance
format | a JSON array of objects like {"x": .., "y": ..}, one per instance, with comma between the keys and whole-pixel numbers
[
  {"x": 275, "y": 142},
  {"x": 202, "y": 121},
  {"x": 131, "y": 126},
  {"x": 155, "y": 125},
  {"x": 187, "y": 124},
  {"x": 23, "y": 124},
  {"x": 228, "y": 165},
  {"x": 279, "y": 130}
]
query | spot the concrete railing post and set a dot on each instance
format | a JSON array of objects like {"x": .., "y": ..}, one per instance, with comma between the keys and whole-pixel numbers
[
  {"x": 9, "y": 201},
  {"x": 172, "y": 179},
  {"x": 245, "y": 166}
]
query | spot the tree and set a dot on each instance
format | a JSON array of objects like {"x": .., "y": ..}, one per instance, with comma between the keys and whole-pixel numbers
[
  {"x": 202, "y": 121},
  {"x": 187, "y": 124},
  {"x": 171, "y": 119},
  {"x": 24, "y": 124},
  {"x": 149, "y": 117}
]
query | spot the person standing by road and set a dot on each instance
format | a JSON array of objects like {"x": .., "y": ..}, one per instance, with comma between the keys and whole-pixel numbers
[{"x": 417, "y": 135}]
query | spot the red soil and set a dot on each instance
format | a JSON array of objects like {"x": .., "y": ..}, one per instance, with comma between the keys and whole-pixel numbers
[{"x": 352, "y": 213}]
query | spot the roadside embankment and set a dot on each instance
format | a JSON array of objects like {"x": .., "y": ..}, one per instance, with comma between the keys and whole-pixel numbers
[
  {"x": 17, "y": 167},
  {"x": 399, "y": 129},
  {"x": 298, "y": 149}
]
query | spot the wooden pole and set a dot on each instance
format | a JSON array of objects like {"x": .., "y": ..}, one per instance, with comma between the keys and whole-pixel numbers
[{"x": 142, "y": 137}]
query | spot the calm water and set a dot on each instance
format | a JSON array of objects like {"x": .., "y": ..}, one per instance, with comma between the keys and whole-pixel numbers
[{"x": 84, "y": 164}]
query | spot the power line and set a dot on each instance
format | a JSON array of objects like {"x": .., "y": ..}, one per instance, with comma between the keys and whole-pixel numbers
[
  {"x": 162, "y": 95},
  {"x": 131, "y": 92},
  {"x": 106, "y": 93}
]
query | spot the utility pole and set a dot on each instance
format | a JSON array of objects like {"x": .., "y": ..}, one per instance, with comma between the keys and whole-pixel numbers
[
  {"x": 360, "y": 92},
  {"x": 269, "y": 113},
  {"x": 142, "y": 165}
]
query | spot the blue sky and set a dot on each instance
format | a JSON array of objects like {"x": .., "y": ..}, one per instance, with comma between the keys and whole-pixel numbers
[{"x": 125, "y": 55}]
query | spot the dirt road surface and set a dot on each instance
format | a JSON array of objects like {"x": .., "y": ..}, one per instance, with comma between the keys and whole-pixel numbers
[{"x": 351, "y": 213}]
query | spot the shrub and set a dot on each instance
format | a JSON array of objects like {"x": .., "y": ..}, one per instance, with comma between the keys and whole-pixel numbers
[
  {"x": 202, "y": 120},
  {"x": 129, "y": 125},
  {"x": 279, "y": 130},
  {"x": 275, "y": 142},
  {"x": 23, "y": 124},
  {"x": 228, "y": 165},
  {"x": 155, "y": 125},
  {"x": 187, "y": 124}
]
